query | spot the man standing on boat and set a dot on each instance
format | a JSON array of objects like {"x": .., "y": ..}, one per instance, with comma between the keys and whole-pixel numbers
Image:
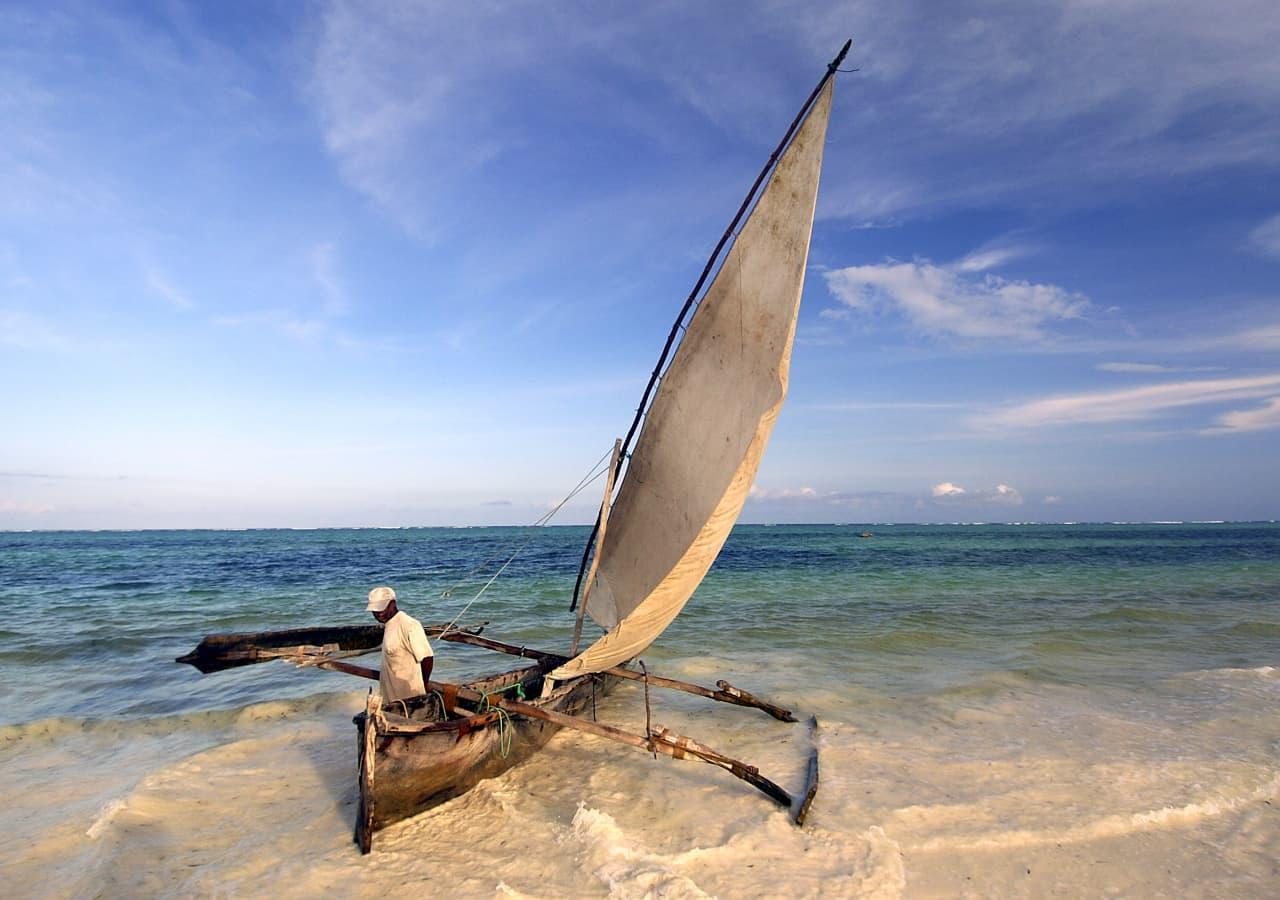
[{"x": 406, "y": 656}]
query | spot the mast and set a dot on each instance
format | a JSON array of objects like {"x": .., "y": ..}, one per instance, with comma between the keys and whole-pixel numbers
[
  {"x": 832, "y": 67},
  {"x": 710, "y": 410},
  {"x": 603, "y": 519}
]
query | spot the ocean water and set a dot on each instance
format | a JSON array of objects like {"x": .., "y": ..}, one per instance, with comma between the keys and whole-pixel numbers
[{"x": 1005, "y": 711}]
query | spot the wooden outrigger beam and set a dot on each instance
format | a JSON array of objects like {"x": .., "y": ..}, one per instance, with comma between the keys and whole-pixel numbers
[
  {"x": 726, "y": 692},
  {"x": 659, "y": 741},
  {"x": 307, "y": 646},
  {"x": 217, "y": 652}
]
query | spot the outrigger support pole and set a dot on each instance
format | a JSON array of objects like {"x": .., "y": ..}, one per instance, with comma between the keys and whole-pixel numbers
[
  {"x": 660, "y": 739},
  {"x": 726, "y": 692}
]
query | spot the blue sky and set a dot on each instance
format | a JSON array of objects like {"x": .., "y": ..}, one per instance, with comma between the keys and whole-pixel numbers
[{"x": 328, "y": 263}]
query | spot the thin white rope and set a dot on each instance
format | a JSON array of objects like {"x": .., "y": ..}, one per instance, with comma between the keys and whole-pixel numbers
[
  {"x": 582, "y": 485},
  {"x": 591, "y": 476}
]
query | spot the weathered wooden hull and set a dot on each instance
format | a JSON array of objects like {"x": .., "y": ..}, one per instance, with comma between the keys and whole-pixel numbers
[{"x": 411, "y": 759}]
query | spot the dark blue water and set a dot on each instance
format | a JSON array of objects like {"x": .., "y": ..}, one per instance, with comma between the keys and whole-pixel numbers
[{"x": 91, "y": 621}]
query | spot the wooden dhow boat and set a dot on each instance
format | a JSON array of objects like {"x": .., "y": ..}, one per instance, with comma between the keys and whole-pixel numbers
[{"x": 703, "y": 422}]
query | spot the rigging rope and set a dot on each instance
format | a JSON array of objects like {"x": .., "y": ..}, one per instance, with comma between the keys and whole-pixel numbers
[
  {"x": 591, "y": 476},
  {"x": 596, "y": 470}
]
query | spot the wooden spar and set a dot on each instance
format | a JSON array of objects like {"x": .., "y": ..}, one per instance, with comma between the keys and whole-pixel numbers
[
  {"x": 727, "y": 693},
  {"x": 226, "y": 651},
  {"x": 602, "y": 527},
  {"x": 339, "y": 666},
  {"x": 217, "y": 652},
  {"x": 475, "y": 640},
  {"x": 702, "y": 279},
  {"x": 662, "y": 741}
]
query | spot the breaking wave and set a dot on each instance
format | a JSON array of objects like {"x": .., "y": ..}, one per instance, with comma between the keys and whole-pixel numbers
[{"x": 205, "y": 721}]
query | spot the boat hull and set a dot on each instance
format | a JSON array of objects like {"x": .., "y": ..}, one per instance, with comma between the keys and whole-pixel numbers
[{"x": 411, "y": 760}]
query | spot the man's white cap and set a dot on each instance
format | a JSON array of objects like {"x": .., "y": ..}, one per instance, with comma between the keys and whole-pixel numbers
[{"x": 379, "y": 599}]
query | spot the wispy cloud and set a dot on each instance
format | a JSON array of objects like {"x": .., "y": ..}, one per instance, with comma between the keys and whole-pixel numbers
[
  {"x": 974, "y": 84},
  {"x": 160, "y": 284},
  {"x": 1261, "y": 418},
  {"x": 399, "y": 92},
  {"x": 282, "y": 321},
  {"x": 324, "y": 272},
  {"x": 1262, "y": 337},
  {"x": 957, "y": 300},
  {"x": 307, "y": 320},
  {"x": 1138, "y": 368},
  {"x": 992, "y": 255},
  {"x": 1265, "y": 239},
  {"x": 943, "y": 496},
  {"x": 801, "y": 493},
  {"x": 24, "y": 507},
  {"x": 1131, "y": 404},
  {"x": 810, "y": 500}
]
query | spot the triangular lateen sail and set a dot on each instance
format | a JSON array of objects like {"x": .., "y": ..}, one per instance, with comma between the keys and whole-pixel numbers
[{"x": 707, "y": 427}]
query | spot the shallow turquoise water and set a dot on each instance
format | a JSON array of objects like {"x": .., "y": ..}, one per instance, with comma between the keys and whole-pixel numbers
[
  {"x": 90, "y": 621},
  {"x": 1097, "y": 704}
]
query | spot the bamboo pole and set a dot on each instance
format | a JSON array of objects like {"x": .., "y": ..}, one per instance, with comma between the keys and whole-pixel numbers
[
  {"x": 726, "y": 692},
  {"x": 661, "y": 741}
]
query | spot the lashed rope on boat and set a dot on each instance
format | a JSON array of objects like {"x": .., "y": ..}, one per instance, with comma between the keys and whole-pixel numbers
[{"x": 506, "y": 730}]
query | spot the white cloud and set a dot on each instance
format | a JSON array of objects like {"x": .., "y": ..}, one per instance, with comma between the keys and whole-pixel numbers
[
  {"x": 948, "y": 492},
  {"x": 324, "y": 272},
  {"x": 804, "y": 493},
  {"x": 959, "y": 104},
  {"x": 1263, "y": 337},
  {"x": 407, "y": 100},
  {"x": 1151, "y": 368},
  {"x": 1265, "y": 239},
  {"x": 1052, "y": 498},
  {"x": 952, "y": 300},
  {"x": 871, "y": 406},
  {"x": 978, "y": 85},
  {"x": 23, "y": 507},
  {"x": 991, "y": 256},
  {"x": 160, "y": 284},
  {"x": 1131, "y": 404},
  {"x": 1261, "y": 418},
  {"x": 1005, "y": 494}
]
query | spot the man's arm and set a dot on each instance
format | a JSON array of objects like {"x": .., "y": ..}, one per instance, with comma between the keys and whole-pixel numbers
[{"x": 427, "y": 663}]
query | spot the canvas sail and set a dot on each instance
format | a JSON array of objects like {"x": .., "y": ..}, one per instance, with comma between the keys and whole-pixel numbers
[{"x": 707, "y": 427}]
